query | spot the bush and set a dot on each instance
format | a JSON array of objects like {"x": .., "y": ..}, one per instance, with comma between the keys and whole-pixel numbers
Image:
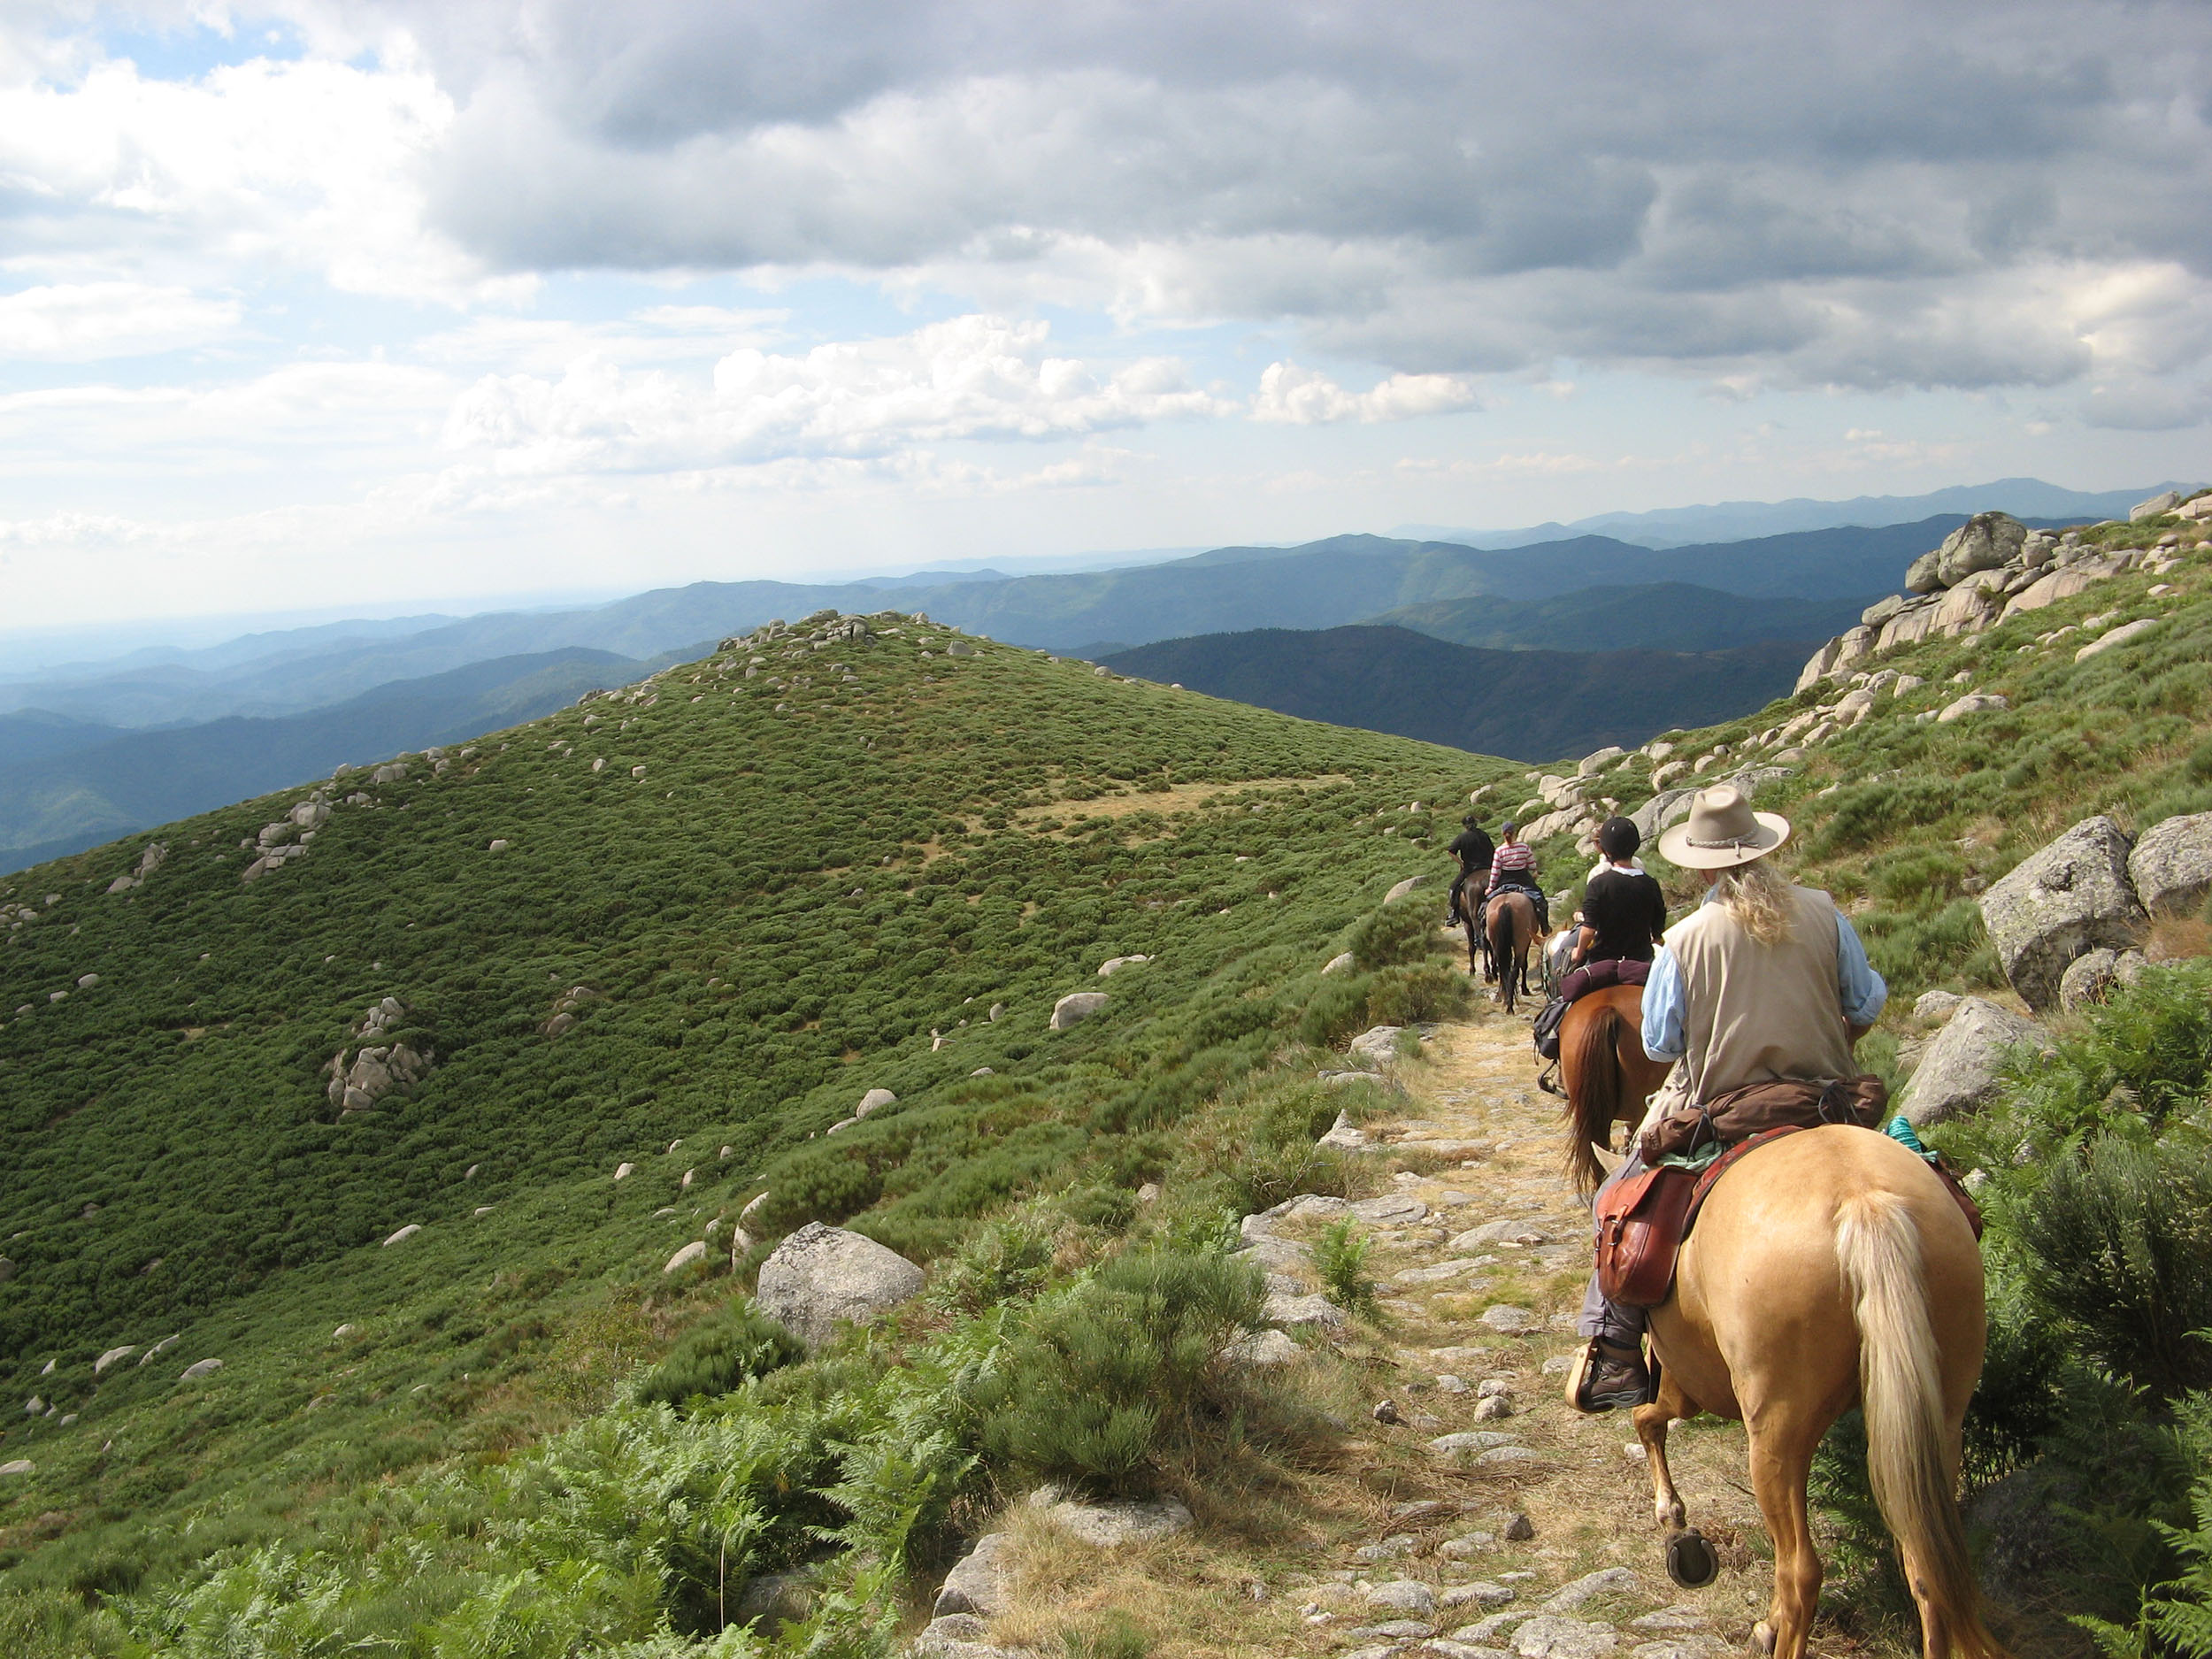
[
  {"x": 1394, "y": 936},
  {"x": 718, "y": 1353},
  {"x": 1122, "y": 1373},
  {"x": 1339, "y": 1255},
  {"x": 2116, "y": 1246},
  {"x": 1003, "y": 1261},
  {"x": 1410, "y": 996}
]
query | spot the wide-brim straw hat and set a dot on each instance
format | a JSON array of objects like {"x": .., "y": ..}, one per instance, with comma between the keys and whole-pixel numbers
[{"x": 1722, "y": 831}]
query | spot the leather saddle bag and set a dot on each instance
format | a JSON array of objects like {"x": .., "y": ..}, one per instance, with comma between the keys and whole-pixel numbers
[
  {"x": 1641, "y": 1222},
  {"x": 1757, "y": 1108}
]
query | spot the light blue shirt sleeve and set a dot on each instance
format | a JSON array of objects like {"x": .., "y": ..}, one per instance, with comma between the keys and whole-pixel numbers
[
  {"x": 1662, "y": 1009},
  {"x": 1863, "y": 989}
]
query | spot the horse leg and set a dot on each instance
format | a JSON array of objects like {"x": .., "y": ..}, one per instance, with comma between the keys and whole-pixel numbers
[
  {"x": 1651, "y": 1429},
  {"x": 1781, "y": 1461}
]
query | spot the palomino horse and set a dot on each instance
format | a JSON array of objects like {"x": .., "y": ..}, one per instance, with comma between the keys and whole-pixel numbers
[
  {"x": 1608, "y": 1075},
  {"x": 1510, "y": 928},
  {"x": 1829, "y": 1269}
]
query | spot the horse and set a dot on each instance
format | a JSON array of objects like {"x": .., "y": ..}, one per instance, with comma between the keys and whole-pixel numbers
[
  {"x": 1552, "y": 959},
  {"x": 1509, "y": 929},
  {"x": 1465, "y": 903},
  {"x": 1829, "y": 1269},
  {"x": 1607, "y": 1074}
]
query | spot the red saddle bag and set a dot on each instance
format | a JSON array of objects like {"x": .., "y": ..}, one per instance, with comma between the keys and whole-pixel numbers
[{"x": 1640, "y": 1223}]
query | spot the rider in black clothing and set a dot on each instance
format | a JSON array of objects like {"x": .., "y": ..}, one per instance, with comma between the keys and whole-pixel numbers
[{"x": 1474, "y": 851}]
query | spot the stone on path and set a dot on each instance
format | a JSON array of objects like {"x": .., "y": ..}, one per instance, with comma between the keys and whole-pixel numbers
[
  {"x": 1075, "y": 1008},
  {"x": 2061, "y": 903},
  {"x": 1109, "y": 1525},
  {"x": 1547, "y": 1637},
  {"x": 1390, "y": 1210},
  {"x": 1262, "y": 1349},
  {"x": 2171, "y": 865},
  {"x": 1403, "y": 1595},
  {"x": 1284, "y": 1308},
  {"x": 1507, "y": 1320},
  {"x": 1960, "y": 1072},
  {"x": 1470, "y": 1440},
  {"x": 1345, "y": 1135},
  {"x": 822, "y": 1276},
  {"x": 1605, "y": 1581}
]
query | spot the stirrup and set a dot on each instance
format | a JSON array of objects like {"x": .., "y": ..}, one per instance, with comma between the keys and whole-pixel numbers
[
  {"x": 1547, "y": 1079},
  {"x": 1581, "y": 1376}
]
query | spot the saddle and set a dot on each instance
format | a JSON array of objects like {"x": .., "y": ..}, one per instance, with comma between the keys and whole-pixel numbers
[
  {"x": 1590, "y": 976},
  {"x": 1642, "y": 1221}
]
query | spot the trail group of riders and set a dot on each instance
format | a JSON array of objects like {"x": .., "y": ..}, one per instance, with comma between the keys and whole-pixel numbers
[{"x": 1836, "y": 1263}]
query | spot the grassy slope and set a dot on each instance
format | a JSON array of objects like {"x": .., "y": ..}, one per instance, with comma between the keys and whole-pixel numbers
[
  {"x": 1531, "y": 704},
  {"x": 777, "y": 915}
]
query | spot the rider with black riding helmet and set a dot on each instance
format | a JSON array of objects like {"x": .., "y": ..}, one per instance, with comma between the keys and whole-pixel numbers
[{"x": 1474, "y": 851}]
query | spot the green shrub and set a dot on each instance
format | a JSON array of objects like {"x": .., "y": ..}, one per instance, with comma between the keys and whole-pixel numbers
[
  {"x": 1123, "y": 1371},
  {"x": 1002, "y": 1261},
  {"x": 718, "y": 1353},
  {"x": 2117, "y": 1245},
  {"x": 1410, "y": 996},
  {"x": 1392, "y": 935},
  {"x": 1339, "y": 1255}
]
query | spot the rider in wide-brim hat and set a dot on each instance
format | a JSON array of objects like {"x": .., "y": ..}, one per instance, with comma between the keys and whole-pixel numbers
[{"x": 1762, "y": 980}]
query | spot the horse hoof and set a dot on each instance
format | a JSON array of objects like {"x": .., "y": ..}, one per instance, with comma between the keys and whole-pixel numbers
[
  {"x": 1762, "y": 1636},
  {"x": 1690, "y": 1561}
]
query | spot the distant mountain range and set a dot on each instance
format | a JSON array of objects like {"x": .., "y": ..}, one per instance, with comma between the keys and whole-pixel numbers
[
  {"x": 1730, "y": 520},
  {"x": 1653, "y": 616},
  {"x": 1526, "y": 705},
  {"x": 94, "y": 783}
]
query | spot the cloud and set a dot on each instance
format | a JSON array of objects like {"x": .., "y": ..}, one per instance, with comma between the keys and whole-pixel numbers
[
  {"x": 84, "y": 322},
  {"x": 975, "y": 377},
  {"x": 1305, "y": 397}
]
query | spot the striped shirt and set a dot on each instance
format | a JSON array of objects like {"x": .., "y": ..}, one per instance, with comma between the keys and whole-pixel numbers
[{"x": 1519, "y": 858}]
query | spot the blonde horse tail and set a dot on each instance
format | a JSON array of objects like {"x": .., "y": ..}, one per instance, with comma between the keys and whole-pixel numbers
[{"x": 1901, "y": 1387}]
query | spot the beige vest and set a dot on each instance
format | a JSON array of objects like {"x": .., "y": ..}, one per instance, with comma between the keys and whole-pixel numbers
[{"x": 1753, "y": 1012}]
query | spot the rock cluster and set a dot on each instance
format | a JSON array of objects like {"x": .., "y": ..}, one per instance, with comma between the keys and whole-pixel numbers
[
  {"x": 566, "y": 1007},
  {"x": 148, "y": 861},
  {"x": 285, "y": 840},
  {"x": 367, "y": 1067},
  {"x": 1990, "y": 569}
]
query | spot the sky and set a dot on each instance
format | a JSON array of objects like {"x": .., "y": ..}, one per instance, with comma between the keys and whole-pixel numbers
[{"x": 320, "y": 304}]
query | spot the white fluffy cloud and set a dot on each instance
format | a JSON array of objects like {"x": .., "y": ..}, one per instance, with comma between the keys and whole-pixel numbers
[
  {"x": 83, "y": 322},
  {"x": 973, "y": 377},
  {"x": 1305, "y": 397}
]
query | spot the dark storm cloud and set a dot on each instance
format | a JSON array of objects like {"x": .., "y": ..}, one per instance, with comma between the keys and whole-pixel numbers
[{"x": 1874, "y": 195}]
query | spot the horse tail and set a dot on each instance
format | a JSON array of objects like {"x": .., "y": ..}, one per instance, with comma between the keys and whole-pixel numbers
[
  {"x": 1595, "y": 1101},
  {"x": 1901, "y": 1387}
]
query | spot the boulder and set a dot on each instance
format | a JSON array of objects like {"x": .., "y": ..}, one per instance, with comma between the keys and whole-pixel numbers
[
  {"x": 978, "y": 1582},
  {"x": 1411, "y": 884},
  {"x": 1378, "y": 1044},
  {"x": 18, "y": 1466},
  {"x": 203, "y": 1368},
  {"x": 403, "y": 1234},
  {"x": 1111, "y": 1525},
  {"x": 1283, "y": 1308},
  {"x": 1966, "y": 609},
  {"x": 822, "y": 1276},
  {"x": 2110, "y": 637},
  {"x": 1344, "y": 1134},
  {"x": 1592, "y": 764},
  {"x": 2164, "y": 501},
  {"x": 113, "y": 1355},
  {"x": 1341, "y": 962},
  {"x": 1882, "y": 610},
  {"x": 1935, "y": 1005},
  {"x": 1925, "y": 575},
  {"x": 1115, "y": 964},
  {"x": 2091, "y": 977},
  {"x": 1660, "y": 812},
  {"x": 1982, "y": 543},
  {"x": 1958, "y": 1075},
  {"x": 2061, "y": 903},
  {"x": 1972, "y": 702},
  {"x": 1075, "y": 1008},
  {"x": 874, "y": 1099},
  {"x": 695, "y": 1251},
  {"x": 1392, "y": 1209},
  {"x": 1264, "y": 1349},
  {"x": 1507, "y": 1320},
  {"x": 1409, "y": 1596},
  {"x": 2171, "y": 865}
]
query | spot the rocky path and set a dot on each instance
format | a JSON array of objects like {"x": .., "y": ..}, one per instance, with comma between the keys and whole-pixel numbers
[{"x": 1471, "y": 1516}]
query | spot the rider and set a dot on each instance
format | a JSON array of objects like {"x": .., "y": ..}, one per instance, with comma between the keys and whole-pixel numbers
[
  {"x": 1762, "y": 980},
  {"x": 1473, "y": 849},
  {"x": 1624, "y": 915},
  {"x": 1514, "y": 865}
]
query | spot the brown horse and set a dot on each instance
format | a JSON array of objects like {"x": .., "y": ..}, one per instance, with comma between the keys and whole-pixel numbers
[
  {"x": 1829, "y": 1269},
  {"x": 1608, "y": 1075},
  {"x": 1510, "y": 928}
]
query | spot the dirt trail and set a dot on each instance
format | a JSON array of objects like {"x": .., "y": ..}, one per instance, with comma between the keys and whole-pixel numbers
[{"x": 1483, "y": 1548}]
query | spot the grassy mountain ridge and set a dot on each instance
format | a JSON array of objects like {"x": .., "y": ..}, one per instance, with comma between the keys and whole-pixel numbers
[{"x": 1528, "y": 704}]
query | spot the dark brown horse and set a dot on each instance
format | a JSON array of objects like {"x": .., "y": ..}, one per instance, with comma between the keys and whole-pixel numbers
[
  {"x": 1510, "y": 928},
  {"x": 1608, "y": 1075}
]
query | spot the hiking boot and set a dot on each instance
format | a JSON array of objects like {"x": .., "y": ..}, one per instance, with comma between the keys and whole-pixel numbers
[{"x": 1606, "y": 1378}]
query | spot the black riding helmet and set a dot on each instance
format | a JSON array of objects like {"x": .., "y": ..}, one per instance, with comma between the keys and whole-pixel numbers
[{"x": 1618, "y": 838}]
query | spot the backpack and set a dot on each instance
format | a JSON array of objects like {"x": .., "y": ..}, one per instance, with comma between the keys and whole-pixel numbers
[{"x": 1546, "y": 1031}]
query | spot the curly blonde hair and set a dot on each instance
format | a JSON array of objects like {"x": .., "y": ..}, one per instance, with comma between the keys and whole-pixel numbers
[{"x": 1756, "y": 897}]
